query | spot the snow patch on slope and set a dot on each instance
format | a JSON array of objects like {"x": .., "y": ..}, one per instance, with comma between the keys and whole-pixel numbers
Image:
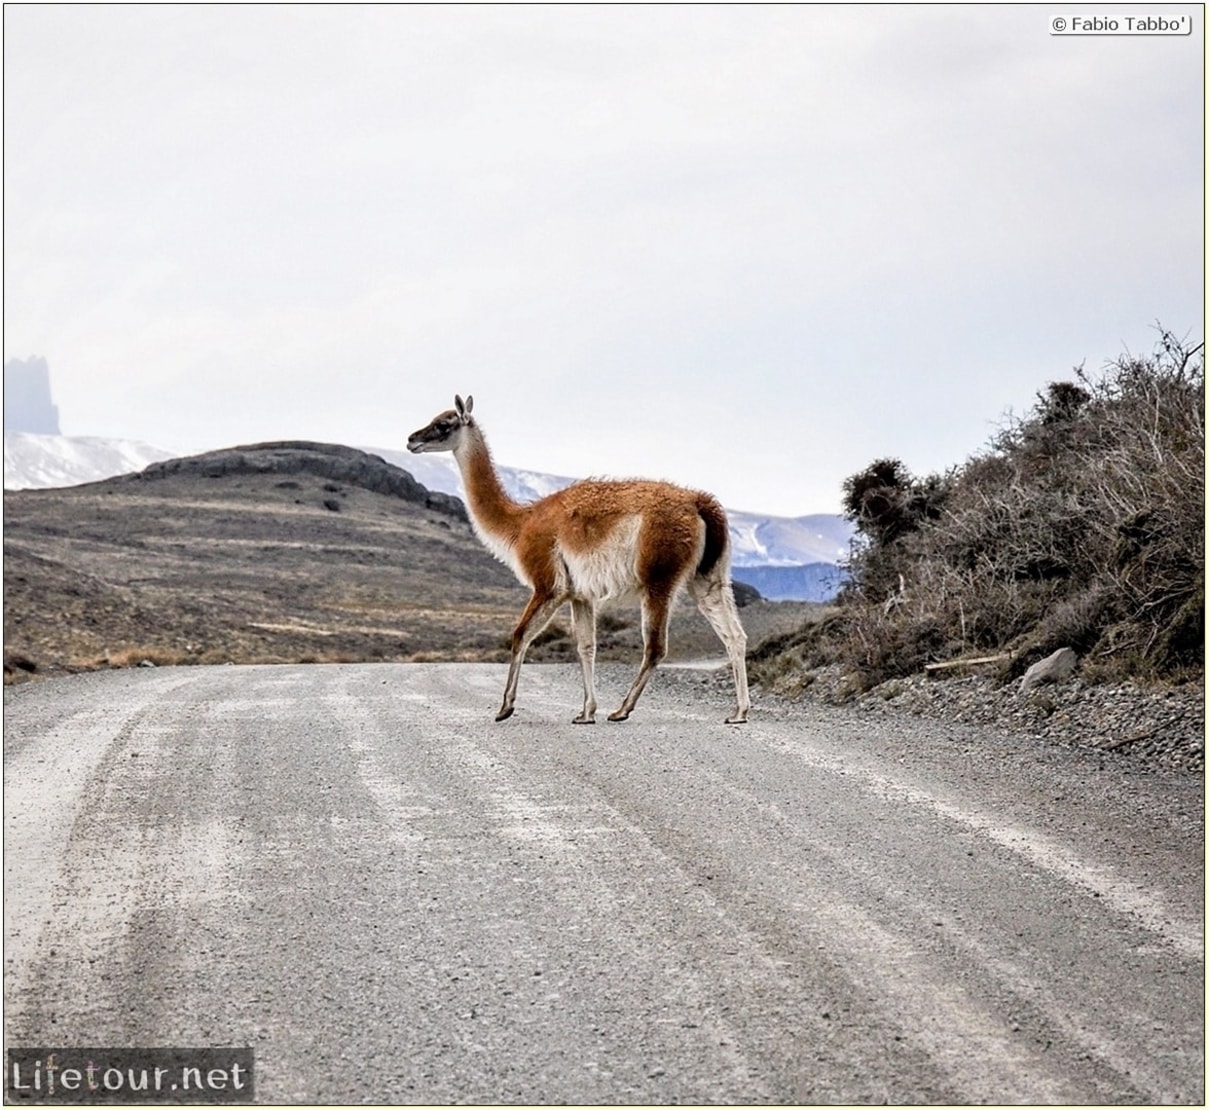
[{"x": 46, "y": 461}]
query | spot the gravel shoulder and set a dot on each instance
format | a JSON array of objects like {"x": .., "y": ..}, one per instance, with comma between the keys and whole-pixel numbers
[{"x": 1158, "y": 726}]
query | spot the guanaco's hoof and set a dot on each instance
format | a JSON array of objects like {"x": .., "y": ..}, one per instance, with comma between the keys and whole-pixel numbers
[
  {"x": 737, "y": 720},
  {"x": 619, "y": 716},
  {"x": 582, "y": 720},
  {"x": 504, "y": 714}
]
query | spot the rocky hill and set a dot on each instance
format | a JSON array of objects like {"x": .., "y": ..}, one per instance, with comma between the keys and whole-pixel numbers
[
  {"x": 785, "y": 558},
  {"x": 286, "y": 551},
  {"x": 343, "y": 465}
]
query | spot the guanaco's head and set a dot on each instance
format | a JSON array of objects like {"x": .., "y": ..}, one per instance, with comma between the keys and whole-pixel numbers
[{"x": 444, "y": 433}]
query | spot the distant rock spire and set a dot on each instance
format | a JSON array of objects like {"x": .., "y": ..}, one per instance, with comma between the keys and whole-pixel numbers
[{"x": 27, "y": 403}]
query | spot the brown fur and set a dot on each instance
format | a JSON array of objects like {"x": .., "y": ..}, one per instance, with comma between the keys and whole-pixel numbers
[{"x": 594, "y": 540}]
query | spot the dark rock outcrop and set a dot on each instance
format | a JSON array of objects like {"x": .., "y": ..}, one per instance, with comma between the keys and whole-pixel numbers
[
  {"x": 325, "y": 460},
  {"x": 744, "y": 594}
]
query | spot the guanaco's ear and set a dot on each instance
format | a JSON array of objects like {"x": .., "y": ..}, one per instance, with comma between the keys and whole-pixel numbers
[{"x": 464, "y": 407}]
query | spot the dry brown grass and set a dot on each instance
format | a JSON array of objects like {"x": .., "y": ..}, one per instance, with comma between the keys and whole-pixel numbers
[
  {"x": 1082, "y": 526},
  {"x": 238, "y": 569}
]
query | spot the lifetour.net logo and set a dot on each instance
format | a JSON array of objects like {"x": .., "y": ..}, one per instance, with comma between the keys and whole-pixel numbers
[{"x": 128, "y": 1076}]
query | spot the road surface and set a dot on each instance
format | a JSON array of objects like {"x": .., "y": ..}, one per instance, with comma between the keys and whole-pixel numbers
[{"x": 391, "y": 898}]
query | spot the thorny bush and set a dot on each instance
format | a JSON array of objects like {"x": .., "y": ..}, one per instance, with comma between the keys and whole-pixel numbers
[{"x": 1082, "y": 525}]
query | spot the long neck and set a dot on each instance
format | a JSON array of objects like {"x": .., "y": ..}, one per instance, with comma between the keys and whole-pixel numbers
[{"x": 494, "y": 513}]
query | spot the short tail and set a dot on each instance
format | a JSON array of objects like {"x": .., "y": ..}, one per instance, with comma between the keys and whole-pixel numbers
[{"x": 717, "y": 533}]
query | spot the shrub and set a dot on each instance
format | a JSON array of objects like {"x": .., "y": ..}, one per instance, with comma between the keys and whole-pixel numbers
[{"x": 1082, "y": 525}]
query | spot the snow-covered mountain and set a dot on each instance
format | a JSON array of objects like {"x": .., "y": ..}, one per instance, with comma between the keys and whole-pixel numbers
[
  {"x": 439, "y": 472},
  {"x": 757, "y": 540},
  {"x": 812, "y": 582},
  {"x": 42, "y": 461},
  {"x": 788, "y": 541}
]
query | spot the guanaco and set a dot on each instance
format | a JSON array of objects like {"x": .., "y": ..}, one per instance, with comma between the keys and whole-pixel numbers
[{"x": 593, "y": 541}]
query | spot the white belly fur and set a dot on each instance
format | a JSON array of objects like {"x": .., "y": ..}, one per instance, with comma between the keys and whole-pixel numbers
[
  {"x": 610, "y": 570},
  {"x": 606, "y": 573}
]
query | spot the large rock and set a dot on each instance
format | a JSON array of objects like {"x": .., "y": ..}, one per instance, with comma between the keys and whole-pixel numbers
[
  {"x": 1053, "y": 668},
  {"x": 326, "y": 460}
]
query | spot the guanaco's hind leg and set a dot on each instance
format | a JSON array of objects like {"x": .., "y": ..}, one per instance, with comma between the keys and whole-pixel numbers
[
  {"x": 537, "y": 614},
  {"x": 716, "y": 600},
  {"x": 583, "y": 620},
  {"x": 656, "y": 609}
]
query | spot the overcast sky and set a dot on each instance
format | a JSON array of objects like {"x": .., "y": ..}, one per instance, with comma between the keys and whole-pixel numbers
[{"x": 748, "y": 249}]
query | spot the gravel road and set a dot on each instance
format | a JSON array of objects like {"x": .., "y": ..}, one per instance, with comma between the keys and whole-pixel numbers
[{"x": 392, "y": 898}]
